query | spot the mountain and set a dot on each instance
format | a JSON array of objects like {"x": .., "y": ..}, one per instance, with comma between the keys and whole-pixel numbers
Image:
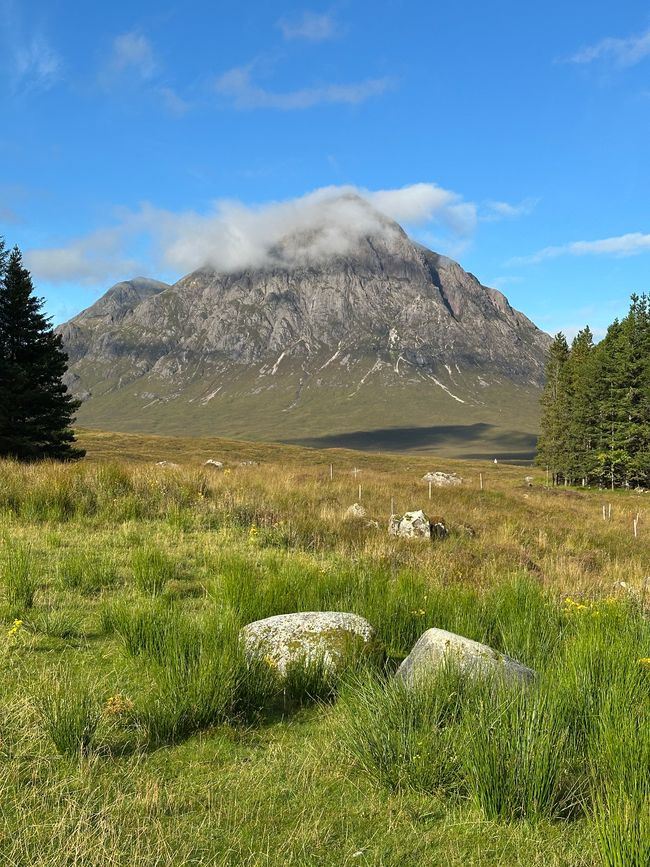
[{"x": 383, "y": 344}]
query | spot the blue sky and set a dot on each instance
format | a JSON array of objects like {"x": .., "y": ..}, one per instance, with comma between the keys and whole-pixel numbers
[{"x": 514, "y": 137}]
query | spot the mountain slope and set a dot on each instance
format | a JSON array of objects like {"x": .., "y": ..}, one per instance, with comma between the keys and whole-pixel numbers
[{"x": 386, "y": 342}]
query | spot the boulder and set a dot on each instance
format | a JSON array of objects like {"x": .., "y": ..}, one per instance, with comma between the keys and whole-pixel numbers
[
  {"x": 443, "y": 480},
  {"x": 217, "y": 465},
  {"x": 331, "y": 637},
  {"x": 166, "y": 464},
  {"x": 416, "y": 524},
  {"x": 356, "y": 510},
  {"x": 436, "y": 647}
]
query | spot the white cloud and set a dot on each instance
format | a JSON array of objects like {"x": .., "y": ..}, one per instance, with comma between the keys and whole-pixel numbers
[
  {"x": 310, "y": 26},
  {"x": 494, "y": 211},
  {"x": 174, "y": 103},
  {"x": 37, "y": 66},
  {"x": 87, "y": 261},
  {"x": 29, "y": 59},
  {"x": 131, "y": 53},
  {"x": 624, "y": 52},
  {"x": 232, "y": 236},
  {"x": 631, "y": 244},
  {"x": 238, "y": 86}
]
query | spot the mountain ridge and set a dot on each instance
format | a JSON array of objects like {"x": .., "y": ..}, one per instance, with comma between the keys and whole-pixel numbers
[{"x": 309, "y": 344}]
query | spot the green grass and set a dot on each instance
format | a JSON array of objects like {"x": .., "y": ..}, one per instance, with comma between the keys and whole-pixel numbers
[{"x": 134, "y": 729}]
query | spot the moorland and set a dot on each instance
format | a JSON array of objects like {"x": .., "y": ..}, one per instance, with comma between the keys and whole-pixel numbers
[{"x": 134, "y": 731}]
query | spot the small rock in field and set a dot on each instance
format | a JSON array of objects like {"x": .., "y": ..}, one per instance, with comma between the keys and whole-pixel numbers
[
  {"x": 416, "y": 524},
  {"x": 332, "y": 637},
  {"x": 443, "y": 480},
  {"x": 217, "y": 465},
  {"x": 436, "y": 647},
  {"x": 166, "y": 464},
  {"x": 356, "y": 510},
  {"x": 373, "y": 525}
]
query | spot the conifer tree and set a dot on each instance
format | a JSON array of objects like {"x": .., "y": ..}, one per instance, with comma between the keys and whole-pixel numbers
[
  {"x": 581, "y": 408},
  {"x": 36, "y": 410},
  {"x": 552, "y": 448}
]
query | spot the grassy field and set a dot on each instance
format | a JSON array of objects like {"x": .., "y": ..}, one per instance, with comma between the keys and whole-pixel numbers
[{"x": 133, "y": 731}]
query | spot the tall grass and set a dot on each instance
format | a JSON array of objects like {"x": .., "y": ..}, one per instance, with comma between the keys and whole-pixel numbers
[
  {"x": 152, "y": 568},
  {"x": 70, "y": 711},
  {"x": 19, "y": 579}
]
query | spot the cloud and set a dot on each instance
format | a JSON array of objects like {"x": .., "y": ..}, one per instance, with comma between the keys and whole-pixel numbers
[
  {"x": 623, "y": 52},
  {"x": 133, "y": 54},
  {"x": 232, "y": 236},
  {"x": 36, "y": 66},
  {"x": 631, "y": 244},
  {"x": 237, "y": 86},
  {"x": 30, "y": 60},
  {"x": 174, "y": 103},
  {"x": 494, "y": 211},
  {"x": 87, "y": 261},
  {"x": 309, "y": 26}
]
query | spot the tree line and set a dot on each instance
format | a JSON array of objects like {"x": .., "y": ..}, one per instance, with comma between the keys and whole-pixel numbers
[
  {"x": 36, "y": 411},
  {"x": 595, "y": 406}
]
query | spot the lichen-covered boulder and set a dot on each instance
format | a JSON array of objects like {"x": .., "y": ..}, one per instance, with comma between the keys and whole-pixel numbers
[
  {"x": 331, "y": 637},
  {"x": 356, "y": 510},
  {"x": 412, "y": 525},
  {"x": 442, "y": 480},
  {"x": 436, "y": 648}
]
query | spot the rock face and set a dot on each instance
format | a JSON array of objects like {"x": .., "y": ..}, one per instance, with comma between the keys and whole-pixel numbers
[
  {"x": 436, "y": 647},
  {"x": 443, "y": 480},
  {"x": 330, "y": 637},
  {"x": 387, "y": 335},
  {"x": 412, "y": 525}
]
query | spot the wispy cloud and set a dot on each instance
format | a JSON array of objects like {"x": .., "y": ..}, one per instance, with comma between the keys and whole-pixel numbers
[
  {"x": 238, "y": 87},
  {"x": 131, "y": 54},
  {"x": 631, "y": 244},
  {"x": 174, "y": 103},
  {"x": 310, "y": 26},
  {"x": 493, "y": 211},
  {"x": 31, "y": 62},
  {"x": 231, "y": 235},
  {"x": 37, "y": 66},
  {"x": 623, "y": 52},
  {"x": 90, "y": 260}
]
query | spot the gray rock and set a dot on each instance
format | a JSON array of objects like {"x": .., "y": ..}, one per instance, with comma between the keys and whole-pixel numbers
[
  {"x": 436, "y": 647},
  {"x": 217, "y": 465},
  {"x": 328, "y": 636},
  {"x": 168, "y": 464},
  {"x": 356, "y": 510},
  {"x": 416, "y": 524},
  {"x": 443, "y": 480}
]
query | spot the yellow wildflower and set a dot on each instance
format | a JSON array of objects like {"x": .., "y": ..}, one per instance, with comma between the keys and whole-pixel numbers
[{"x": 645, "y": 661}]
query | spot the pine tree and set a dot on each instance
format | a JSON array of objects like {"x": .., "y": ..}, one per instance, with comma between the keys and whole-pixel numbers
[
  {"x": 36, "y": 410},
  {"x": 581, "y": 408},
  {"x": 552, "y": 448}
]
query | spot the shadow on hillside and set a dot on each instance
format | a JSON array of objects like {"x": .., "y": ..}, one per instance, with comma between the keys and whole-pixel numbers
[{"x": 479, "y": 441}]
